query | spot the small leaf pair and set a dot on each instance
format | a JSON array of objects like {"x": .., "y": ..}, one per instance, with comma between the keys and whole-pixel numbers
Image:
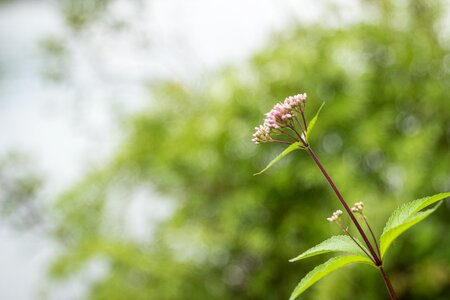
[{"x": 403, "y": 218}]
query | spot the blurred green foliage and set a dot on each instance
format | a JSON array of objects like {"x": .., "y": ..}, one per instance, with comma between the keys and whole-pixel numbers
[
  {"x": 20, "y": 185},
  {"x": 56, "y": 56},
  {"x": 384, "y": 136},
  {"x": 81, "y": 13}
]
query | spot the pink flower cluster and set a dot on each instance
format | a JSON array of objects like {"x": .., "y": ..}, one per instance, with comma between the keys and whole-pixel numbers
[
  {"x": 279, "y": 117},
  {"x": 295, "y": 102},
  {"x": 261, "y": 135}
]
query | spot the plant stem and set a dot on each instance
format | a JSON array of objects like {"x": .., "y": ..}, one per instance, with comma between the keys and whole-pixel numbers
[
  {"x": 373, "y": 235},
  {"x": 279, "y": 132},
  {"x": 353, "y": 239},
  {"x": 280, "y": 142},
  {"x": 376, "y": 258},
  {"x": 388, "y": 284},
  {"x": 300, "y": 125},
  {"x": 304, "y": 119},
  {"x": 296, "y": 132},
  {"x": 347, "y": 208}
]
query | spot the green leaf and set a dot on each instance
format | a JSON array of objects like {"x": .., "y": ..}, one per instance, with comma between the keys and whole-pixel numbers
[
  {"x": 292, "y": 147},
  {"x": 326, "y": 268},
  {"x": 313, "y": 122},
  {"x": 406, "y": 216},
  {"x": 342, "y": 243}
]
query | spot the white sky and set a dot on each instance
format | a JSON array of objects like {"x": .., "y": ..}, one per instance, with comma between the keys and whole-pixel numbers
[{"x": 70, "y": 128}]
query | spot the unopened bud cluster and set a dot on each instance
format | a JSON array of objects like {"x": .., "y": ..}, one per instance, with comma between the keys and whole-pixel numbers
[
  {"x": 335, "y": 216},
  {"x": 279, "y": 117},
  {"x": 261, "y": 134},
  {"x": 358, "y": 207}
]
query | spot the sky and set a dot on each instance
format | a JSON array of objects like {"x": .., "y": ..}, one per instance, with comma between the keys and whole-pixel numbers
[{"x": 69, "y": 128}]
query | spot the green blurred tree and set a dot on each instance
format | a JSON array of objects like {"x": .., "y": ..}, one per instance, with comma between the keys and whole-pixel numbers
[
  {"x": 384, "y": 135},
  {"x": 20, "y": 185}
]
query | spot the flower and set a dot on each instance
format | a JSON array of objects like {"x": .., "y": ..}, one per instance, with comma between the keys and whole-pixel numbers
[
  {"x": 335, "y": 216},
  {"x": 358, "y": 207},
  {"x": 279, "y": 117},
  {"x": 261, "y": 135},
  {"x": 296, "y": 102}
]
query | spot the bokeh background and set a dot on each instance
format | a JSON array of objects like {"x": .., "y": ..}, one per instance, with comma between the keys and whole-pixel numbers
[{"x": 126, "y": 163}]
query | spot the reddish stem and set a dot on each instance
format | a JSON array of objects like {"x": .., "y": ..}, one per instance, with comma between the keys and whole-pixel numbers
[
  {"x": 354, "y": 240},
  {"x": 346, "y": 207},
  {"x": 388, "y": 284},
  {"x": 373, "y": 235},
  {"x": 304, "y": 119}
]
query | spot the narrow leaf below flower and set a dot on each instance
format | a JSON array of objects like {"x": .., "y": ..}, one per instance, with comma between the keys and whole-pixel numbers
[
  {"x": 313, "y": 122},
  {"x": 286, "y": 151}
]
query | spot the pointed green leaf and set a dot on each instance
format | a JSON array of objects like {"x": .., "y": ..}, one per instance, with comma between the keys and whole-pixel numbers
[
  {"x": 341, "y": 243},
  {"x": 313, "y": 122},
  {"x": 326, "y": 268},
  {"x": 292, "y": 147},
  {"x": 406, "y": 216}
]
